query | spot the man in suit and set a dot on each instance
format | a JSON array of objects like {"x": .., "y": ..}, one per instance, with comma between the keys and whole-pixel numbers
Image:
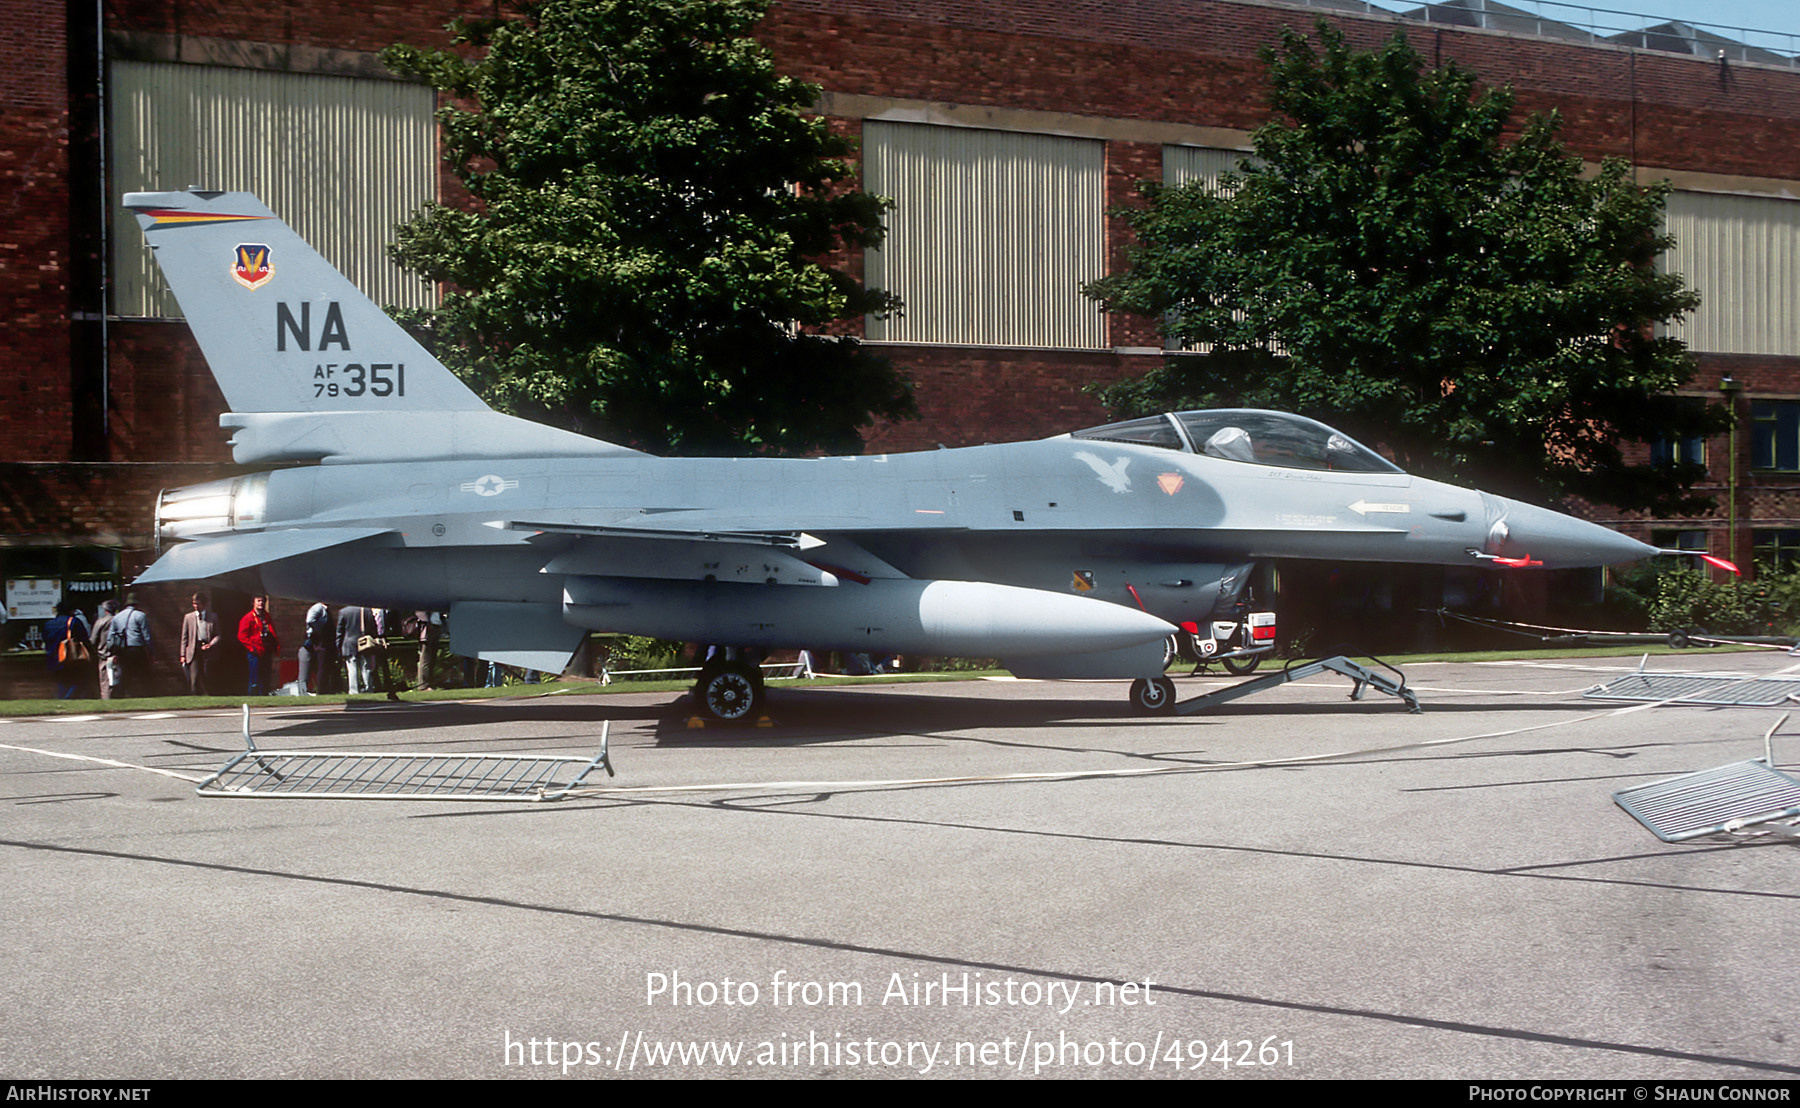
[
  {"x": 107, "y": 665},
  {"x": 199, "y": 637}
]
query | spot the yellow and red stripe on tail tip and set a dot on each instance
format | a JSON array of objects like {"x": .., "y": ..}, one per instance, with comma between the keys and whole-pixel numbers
[{"x": 181, "y": 217}]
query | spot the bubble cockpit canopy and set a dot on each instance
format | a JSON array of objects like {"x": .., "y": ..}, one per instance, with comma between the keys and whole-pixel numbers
[{"x": 1248, "y": 435}]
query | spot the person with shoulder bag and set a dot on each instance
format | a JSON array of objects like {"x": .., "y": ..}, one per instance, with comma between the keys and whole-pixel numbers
[{"x": 66, "y": 650}]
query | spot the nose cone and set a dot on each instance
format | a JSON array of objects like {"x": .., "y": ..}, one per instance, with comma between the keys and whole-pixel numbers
[{"x": 1518, "y": 530}]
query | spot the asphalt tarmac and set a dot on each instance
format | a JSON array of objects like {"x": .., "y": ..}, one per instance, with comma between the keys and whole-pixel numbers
[{"x": 979, "y": 879}]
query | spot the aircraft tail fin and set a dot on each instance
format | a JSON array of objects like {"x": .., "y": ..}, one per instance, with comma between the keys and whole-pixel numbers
[
  {"x": 281, "y": 328},
  {"x": 312, "y": 369}
]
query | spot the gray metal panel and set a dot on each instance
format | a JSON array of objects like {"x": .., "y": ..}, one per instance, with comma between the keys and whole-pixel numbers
[
  {"x": 993, "y": 234},
  {"x": 1182, "y": 164},
  {"x": 1186, "y": 164},
  {"x": 1742, "y": 253},
  {"x": 344, "y": 159},
  {"x": 1712, "y": 801}
]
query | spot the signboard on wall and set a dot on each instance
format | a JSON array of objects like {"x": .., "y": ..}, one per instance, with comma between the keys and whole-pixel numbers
[{"x": 32, "y": 597}]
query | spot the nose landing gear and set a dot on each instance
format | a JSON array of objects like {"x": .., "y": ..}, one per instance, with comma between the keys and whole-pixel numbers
[{"x": 1154, "y": 696}]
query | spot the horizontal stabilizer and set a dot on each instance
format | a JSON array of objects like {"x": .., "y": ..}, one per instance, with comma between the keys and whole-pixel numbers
[
  {"x": 203, "y": 558},
  {"x": 361, "y": 438}
]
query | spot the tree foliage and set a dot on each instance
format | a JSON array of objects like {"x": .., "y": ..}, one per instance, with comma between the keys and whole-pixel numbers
[
  {"x": 1687, "y": 599},
  {"x": 1390, "y": 261},
  {"x": 647, "y": 257}
]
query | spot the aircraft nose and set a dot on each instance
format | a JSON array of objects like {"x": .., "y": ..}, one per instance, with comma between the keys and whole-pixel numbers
[{"x": 1519, "y": 530}]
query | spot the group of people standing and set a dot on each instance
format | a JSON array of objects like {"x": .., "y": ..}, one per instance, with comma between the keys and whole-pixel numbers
[
  {"x": 119, "y": 648},
  {"x": 359, "y": 638}
]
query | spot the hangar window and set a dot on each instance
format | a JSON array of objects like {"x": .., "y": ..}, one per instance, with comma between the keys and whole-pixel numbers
[
  {"x": 1683, "y": 539},
  {"x": 991, "y": 236},
  {"x": 1779, "y": 548},
  {"x": 1674, "y": 451},
  {"x": 1775, "y": 435}
]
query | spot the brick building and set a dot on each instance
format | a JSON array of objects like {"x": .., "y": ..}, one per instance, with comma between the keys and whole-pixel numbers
[{"x": 973, "y": 114}]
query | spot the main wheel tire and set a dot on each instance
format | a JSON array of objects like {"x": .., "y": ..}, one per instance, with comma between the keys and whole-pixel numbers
[
  {"x": 1153, "y": 697},
  {"x": 1170, "y": 650},
  {"x": 730, "y": 692},
  {"x": 1241, "y": 666}
]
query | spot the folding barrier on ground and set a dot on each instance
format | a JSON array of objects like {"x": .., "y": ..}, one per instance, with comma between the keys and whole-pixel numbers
[
  {"x": 1738, "y": 799},
  {"x": 350, "y": 775}
]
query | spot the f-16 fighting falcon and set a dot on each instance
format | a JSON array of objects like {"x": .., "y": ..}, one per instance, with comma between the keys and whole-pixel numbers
[{"x": 1075, "y": 556}]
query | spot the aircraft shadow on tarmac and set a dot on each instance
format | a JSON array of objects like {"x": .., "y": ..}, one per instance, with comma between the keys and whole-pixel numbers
[
  {"x": 798, "y": 716},
  {"x": 811, "y": 715}
]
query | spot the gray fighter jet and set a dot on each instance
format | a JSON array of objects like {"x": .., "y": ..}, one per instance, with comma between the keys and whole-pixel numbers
[{"x": 1073, "y": 556}]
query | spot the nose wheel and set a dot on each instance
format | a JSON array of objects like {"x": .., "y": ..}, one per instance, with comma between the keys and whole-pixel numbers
[{"x": 1154, "y": 696}]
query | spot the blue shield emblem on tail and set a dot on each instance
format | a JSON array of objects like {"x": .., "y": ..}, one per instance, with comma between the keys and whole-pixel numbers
[{"x": 251, "y": 266}]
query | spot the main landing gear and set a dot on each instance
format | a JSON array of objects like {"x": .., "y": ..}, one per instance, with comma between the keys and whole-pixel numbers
[{"x": 730, "y": 689}]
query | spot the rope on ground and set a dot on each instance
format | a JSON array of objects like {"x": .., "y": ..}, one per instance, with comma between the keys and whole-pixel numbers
[
  {"x": 104, "y": 762},
  {"x": 1532, "y": 630}
]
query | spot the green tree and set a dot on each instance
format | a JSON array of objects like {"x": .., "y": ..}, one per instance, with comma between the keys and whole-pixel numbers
[
  {"x": 649, "y": 255},
  {"x": 1393, "y": 260}
]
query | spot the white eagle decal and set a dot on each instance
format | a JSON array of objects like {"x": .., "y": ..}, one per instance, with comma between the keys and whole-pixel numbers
[{"x": 1112, "y": 476}]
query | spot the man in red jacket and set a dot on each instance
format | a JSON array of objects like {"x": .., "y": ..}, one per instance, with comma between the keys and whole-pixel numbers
[{"x": 257, "y": 632}]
